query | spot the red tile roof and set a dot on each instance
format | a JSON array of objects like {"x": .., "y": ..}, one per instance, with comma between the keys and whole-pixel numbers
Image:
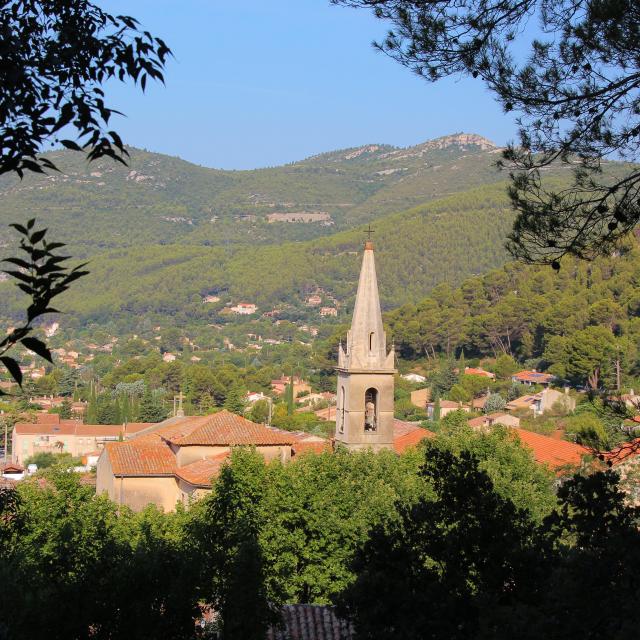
[
  {"x": 141, "y": 457},
  {"x": 227, "y": 429},
  {"x": 407, "y": 435},
  {"x": 200, "y": 472},
  {"x": 533, "y": 376},
  {"x": 549, "y": 451},
  {"x": 12, "y": 468},
  {"x": 471, "y": 371},
  {"x": 53, "y": 429},
  {"x": 622, "y": 453}
]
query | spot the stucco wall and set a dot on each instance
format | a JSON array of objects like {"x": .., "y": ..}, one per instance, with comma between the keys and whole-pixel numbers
[
  {"x": 189, "y": 454},
  {"x": 138, "y": 492}
]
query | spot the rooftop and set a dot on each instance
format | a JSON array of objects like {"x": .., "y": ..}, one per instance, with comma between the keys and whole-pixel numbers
[{"x": 554, "y": 453}]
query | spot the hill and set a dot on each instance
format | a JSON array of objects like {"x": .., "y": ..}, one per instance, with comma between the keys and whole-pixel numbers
[{"x": 159, "y": 199}]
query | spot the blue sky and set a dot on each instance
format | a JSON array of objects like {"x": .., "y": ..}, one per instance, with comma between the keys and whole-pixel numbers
[{"x": 260, "y": 83}]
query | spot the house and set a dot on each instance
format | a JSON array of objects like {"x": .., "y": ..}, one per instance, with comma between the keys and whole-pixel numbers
[
  {"x": 251, "y": 397},
  {"x": 407, "y": 435},
  {"x": 54, "y": 435},
  {"x": 314, "y": 300},
  {"x": 479, "y": 371},
  {"x": 13, "y": 472},
  {"x": 310, "y": 622},
  {"x": 446, "y": 406},
  {"x": 210, "y": 299},
  {"x": 532, "y": 378},
  {"x": 477, "y": 404},
  {"x": 488, "y": 420},
  {"x": 413, "y": 377},
  {"x": 328, "y": 311},
  {"x": 555, "y": 454},
  {"x": 168, "y": 357},
  {"x": 174, "y": 461},
  {"x": 543, "y": 401},
  {"x": 299, "y": 385},
  {"x": 420, "y": 397},
  {"x": 244, "y": 308}
]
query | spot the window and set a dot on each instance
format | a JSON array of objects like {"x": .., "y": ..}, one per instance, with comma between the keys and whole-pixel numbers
[
  {"x": 371, "y": 409},
  {"x": 371, "y": 341}
]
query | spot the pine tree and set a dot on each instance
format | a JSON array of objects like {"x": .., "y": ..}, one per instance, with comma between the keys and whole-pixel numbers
[
  {"x": 91, "y": 417},
  {"x": 290, "y": 398},
  {"x": 150, "y": 409},
  {"x": 66, "y": 409},
  {"x": 235, "y": 400}
]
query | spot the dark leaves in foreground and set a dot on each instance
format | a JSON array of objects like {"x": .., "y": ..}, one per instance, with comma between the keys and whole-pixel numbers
[{"x": 41, "y": 274}]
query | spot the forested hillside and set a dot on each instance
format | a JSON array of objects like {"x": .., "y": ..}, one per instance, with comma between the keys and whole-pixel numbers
[
  {"x": 160, "y": 199},
  {"x": 447, "y": 240},
  {"x": 578, "y": 322},
  {"x": 162, "y": 233}
]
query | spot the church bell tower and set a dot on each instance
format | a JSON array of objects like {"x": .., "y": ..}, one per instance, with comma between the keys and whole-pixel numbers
[{"x": 364, "y": 409}]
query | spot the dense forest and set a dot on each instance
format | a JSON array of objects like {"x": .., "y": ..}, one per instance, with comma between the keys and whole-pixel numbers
[{"x": 579, "y": 323}]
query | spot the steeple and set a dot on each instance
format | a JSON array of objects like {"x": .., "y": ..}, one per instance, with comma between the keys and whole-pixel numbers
[
  {"x": 364, "y": 408},
  {"x": 366, "y": 340}
]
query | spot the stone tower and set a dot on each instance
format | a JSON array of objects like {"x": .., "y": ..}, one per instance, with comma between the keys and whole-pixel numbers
[{"x": 364, "y": 410}]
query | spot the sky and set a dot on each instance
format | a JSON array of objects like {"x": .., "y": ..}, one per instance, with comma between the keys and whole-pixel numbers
[{"x": 258, "y": 83}]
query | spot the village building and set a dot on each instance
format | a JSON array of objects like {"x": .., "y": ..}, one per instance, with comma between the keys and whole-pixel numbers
[
  {"x": 446, "y": 407},
  {"x": 328, "y": 311},
  {"x": 420, "y": 397},
  {"x": 499, "y": 417},
  {"x": 414, "y": 377},
  {"x": 557, "y": 455},
  {"x": 280, "y": 385},
  {"x": 532, "y": 378},
  {"x": 366, "y": 371},
  {"x": 54, "y": 435},
  {"x": 543, "y": 402},
  {"x": 479, "y": 371},
  {"x": 314, "y": 300},
  {"x": 244, "y": 308},
  {"x": 175, "y": 460}
]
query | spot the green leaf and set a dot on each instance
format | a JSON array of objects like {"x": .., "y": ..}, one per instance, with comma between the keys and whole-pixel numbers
[
  {"x": 13, "y": 368},
  {"x": 37, "y": 346}
]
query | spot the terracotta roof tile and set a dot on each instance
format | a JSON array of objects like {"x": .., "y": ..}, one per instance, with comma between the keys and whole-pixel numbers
[
  {"x": 143, "y": 457},
  {"x": 200, "y": 472},
  {"x": 227, "y": 429},
  {"x": 533, "y": 376},
  {"x": 549, "y": 451},
  {"x": 407, "y": 435},
  {"x": 622, "y": 453},
  {"x": 52, "y": 429}
]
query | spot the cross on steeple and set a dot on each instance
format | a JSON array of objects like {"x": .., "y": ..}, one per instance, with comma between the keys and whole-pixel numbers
[{"x": 369, "y": 231}]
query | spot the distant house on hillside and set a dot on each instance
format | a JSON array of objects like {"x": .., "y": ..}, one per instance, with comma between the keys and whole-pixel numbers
[
  {"x": 420, "y": 397},
  {"x": 446, "y": 406},
  {"x": 328, "y": 311},
  {"x": 479, "y": 371},
  {"x": 314, "y": 300},
  {"x": 491, "y": 419},
  {"x": 413, "y": 377},
  {"x": 532, "y": 378},
  {"x": 244, "y": 308},
  {"x": 542, "y": 402}
]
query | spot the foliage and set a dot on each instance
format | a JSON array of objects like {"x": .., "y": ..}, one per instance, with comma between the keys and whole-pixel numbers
[
  {"x": 42, "y": 277},
  {"x": 470, "y": 564},
  {"x": 73, "y": 567},
  {"x": 56, "y": 57},
  {"x": 530, "y": 312},
  {"x": 575, "y": 90},
  {"x": 495, "y": 402}
]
